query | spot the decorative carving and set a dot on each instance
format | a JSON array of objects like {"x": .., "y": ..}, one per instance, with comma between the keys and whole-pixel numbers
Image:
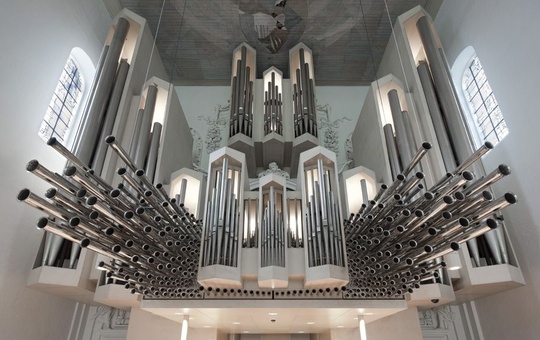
[
  {"x": 331, "y": 128},
  {"x": 197, "y": 147},
  {"x": 119, "y": 319},
  {"x": 349, "y": 152},
  {"x": 428, "y": 319},
  {"x": 216, "y": 126},
  {"x": 274, "y": 169},
  {"x": 446, "y": 316}
]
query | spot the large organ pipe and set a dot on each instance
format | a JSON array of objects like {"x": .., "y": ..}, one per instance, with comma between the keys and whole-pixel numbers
[
  {"x": 397, "y": 239},
  {"x": 403, "y": 146},
  {"x": 304, "y": 99},
  {"x": 395, "y": 167},
  {"x": 153, "y": 151},
  {"x": 146, "y": 124},
  {"x": 436, "y": 116},
  {"x": 96, "y": 112},
  {"x": 443, "y": 85},
  {"x": 110, "y": 115},
  {"x": 102, "y": 219}
]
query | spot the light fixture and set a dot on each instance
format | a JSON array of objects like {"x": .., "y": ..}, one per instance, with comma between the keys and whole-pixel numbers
[
  {"x": 362, "y": 327},
  {"x": 273, "y": 314},
  {"x": 236, "y": 323},
  {"x": 310, "y": 323},
  {"x": 185, "y": 325}
]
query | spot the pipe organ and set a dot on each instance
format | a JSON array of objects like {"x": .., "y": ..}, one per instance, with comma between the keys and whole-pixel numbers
[
  {"x": 273, "y": 103},
  {"x": 305, "y": 109},
  {"x": 241, "y": 103},
  {"x": 275, "y": 236}
]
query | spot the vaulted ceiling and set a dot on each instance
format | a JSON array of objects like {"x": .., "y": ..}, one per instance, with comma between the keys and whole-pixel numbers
[{"x": 348, "y": 37}]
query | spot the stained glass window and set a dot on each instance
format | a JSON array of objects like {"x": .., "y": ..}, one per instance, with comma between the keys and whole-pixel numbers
[
  {"x": 62, "y": 108},
  {"x": 486, "y": 113}
]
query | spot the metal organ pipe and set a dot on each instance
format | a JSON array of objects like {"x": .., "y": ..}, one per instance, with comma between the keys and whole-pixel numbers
[
  {"x": 241, "y": 116},
  {"x": 403, "y": 146},
  {"x": 323, "y": 220},
  {"x": 443, "y": 85},
  {"x": 422, "y": 229},
  {"x": 102, "y": 219},
  {"x": 96, "y": 111},
  {"x": 146, "y": 124},
  {"x": 304, "y": 100},
  {"x": 436, "y": 116},
  {"x": 110, "y": 115},
  {"x": 153, "y": 151},
  {"x": 221, "y": 234}
]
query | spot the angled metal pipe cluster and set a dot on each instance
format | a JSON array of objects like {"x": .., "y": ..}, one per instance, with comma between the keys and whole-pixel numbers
[
  {"x": 242, "y": 98},
  {"x": 273, "y": 108},
  {"x": 395, "y": 240},
  {"x": 152, "y": 239}
]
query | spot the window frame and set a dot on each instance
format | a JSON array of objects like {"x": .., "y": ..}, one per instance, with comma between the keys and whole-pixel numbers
[
  {"x": 86, "y": 70},
  {"x": 458, "y": 71}
]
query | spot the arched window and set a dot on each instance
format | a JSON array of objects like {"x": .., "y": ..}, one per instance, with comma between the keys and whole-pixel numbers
[
  {"x": 62, "y": 116},
  {"x": 484, "y": 117}
]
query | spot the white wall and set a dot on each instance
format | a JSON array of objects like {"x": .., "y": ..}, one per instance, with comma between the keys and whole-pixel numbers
[
  {"x": 505, "y": 37},
  {"x": 36, "y": 40},
  {"x": 340, "y": 104}
]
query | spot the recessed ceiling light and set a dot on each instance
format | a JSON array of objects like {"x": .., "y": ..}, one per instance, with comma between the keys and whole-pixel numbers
[
  {"x": 310, "y": 323},
  {"x": 340, "y": 326},
  {"x": 206, "y": 326},
  {"x": 245, "y": 332},
  {"x": 301, "y": 332},
  {"x": 273, "y": 314},
  {"x": 236, "y": 323}
]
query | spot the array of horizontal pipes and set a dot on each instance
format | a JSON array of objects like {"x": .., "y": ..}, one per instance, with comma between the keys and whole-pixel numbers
[
  {"x": 396, "y": 239},
  {"x": 241, "y": 118},
  {"x": 324, "y": 235},
  {"x": 273, "y": 106},
  {"x": 221, "y": 226},
  {"x": 98, "y": 116},
  {"x": 273, "y": 230},
  {"x": 305, "y": 110},
  {"x": 152, "y": 239}
]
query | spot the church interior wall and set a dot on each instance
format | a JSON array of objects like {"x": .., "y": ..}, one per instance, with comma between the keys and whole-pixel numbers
[
  {"x": 502, "y": 33},
  {"x": 36, "y": 41}
]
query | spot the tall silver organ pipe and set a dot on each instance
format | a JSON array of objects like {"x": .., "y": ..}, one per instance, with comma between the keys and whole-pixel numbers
[
  {"x": 153, "y": 151},
  {"x": 450, "y": 106},
  {"x": 222, "y": 233},
  {"x": 305, "y": 109},
  {"x": 110, "y": 116},
  {"x": 251, "y": 225},
  {"x": 146, "y": 126},
  {"x": 295, "y": 232},
  {"x": 241, "y": 117},
  {"x": 436, "y": 116},
  {"x": 402, "y": 139},
  {"x": 395, "y": 166},
  {"x": 399, "y": 237},
  {"x": 273, "y": 242},
  {"x": 152, "y": 238},
  {"x": 96, "y": 111},
  {"x": 323, "y": 219},
  {"x": 273, "y": 116}
]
